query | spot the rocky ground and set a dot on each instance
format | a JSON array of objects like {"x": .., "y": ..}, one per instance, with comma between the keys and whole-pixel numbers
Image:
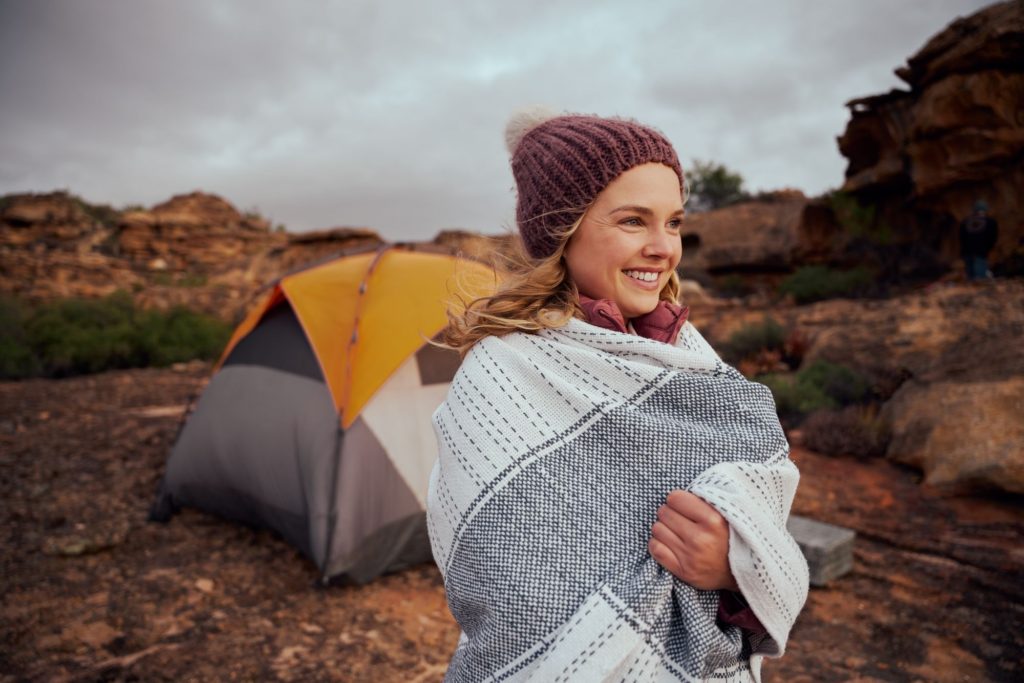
[{"x": 91, "y": 591}]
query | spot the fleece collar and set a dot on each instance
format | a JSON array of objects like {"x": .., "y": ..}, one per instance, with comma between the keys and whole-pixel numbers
[{"x": 662, "y": 324}]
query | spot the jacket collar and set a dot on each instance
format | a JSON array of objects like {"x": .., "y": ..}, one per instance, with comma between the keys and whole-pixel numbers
[{"x": 662, "y": 324}]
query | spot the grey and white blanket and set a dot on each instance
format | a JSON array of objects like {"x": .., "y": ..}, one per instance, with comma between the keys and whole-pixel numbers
[{"x": 556, "y": 450}]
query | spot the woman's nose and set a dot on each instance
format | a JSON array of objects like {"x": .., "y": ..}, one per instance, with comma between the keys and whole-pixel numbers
[{"x": 660, "y": 243}]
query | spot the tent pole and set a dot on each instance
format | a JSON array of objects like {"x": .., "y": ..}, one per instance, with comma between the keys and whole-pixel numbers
[{"x": 332, "y": 517}]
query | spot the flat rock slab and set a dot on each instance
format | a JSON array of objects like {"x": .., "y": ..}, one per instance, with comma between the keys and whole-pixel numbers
[{"x": 827, "y": 547}]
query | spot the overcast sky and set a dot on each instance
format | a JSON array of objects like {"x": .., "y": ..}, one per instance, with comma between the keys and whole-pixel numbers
[{"x": 391, "y": 114}]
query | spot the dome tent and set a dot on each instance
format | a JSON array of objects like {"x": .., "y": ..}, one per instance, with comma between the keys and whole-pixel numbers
[{"x": 316, "y": 421}]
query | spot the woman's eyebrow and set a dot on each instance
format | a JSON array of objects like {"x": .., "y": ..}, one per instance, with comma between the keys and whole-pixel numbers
[{"x": 634, "y": 208}]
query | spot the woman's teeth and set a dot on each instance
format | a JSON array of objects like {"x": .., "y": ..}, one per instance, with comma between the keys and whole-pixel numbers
[{"x": 642, "y": 275}]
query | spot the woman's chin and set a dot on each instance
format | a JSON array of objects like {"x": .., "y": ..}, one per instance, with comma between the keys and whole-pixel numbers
[{"x": 636, "y": 309}]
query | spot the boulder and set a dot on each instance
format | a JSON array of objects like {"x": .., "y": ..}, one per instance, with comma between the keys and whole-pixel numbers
[{"x": 962, "y": 435}]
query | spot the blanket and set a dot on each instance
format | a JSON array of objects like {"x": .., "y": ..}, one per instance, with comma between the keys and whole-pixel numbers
[{"x": 555, "y": 451}]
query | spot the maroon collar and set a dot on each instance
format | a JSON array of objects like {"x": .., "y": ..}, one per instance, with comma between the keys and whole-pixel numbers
[{"x": 662, "y": 324}]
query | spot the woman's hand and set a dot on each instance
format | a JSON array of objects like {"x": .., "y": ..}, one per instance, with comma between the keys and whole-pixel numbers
[{"x": 691, "y": 540}]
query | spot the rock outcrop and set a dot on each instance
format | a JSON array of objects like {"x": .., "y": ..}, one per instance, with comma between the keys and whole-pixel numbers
[
  {"x": 194, "y": 249},
  {"x": 922, "y": 156},
  {"x": 195, "y": 232},
  {"x": 55, "y": 245},
  {"x": 761, "y": 235}
]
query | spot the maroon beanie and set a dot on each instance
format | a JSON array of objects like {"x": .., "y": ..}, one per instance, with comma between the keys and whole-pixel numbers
[{"x": 561, "y": 163}]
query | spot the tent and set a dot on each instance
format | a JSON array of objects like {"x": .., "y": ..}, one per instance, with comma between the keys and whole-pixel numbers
[{"x": 316, "y": 421}]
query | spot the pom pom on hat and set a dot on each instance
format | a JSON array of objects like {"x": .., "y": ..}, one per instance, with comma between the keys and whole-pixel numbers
[{"x": 523, "y": 121}]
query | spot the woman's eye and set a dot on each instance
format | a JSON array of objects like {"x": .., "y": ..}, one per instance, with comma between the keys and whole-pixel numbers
[
  {"x": 675, "y": 224},
  {"x": 632, "y": 221}
]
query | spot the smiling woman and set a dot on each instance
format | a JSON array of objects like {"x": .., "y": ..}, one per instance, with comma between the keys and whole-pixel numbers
[{"x": 610, "y": 498}]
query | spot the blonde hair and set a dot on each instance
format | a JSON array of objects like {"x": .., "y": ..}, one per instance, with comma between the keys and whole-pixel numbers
[{"x": 536, "y": 294}]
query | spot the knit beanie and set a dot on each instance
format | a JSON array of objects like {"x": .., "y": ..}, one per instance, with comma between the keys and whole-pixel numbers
[{"x": 562, "y": 162}]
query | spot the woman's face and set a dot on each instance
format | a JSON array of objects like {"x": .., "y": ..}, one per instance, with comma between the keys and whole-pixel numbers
[{"x": 628, "y": 243}]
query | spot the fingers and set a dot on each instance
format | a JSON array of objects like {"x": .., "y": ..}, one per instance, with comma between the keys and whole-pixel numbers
[
  {"x": 693, "y": 507},
  {"x": 663, "y": 533},
  {"x": 681, "y": 526},
  {"x": 665, "y": 557}
]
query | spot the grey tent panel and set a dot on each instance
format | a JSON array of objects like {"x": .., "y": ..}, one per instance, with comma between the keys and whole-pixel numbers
[
  {"x": 261, "y": 448},
  {"x": 277, "y": 342},
  {"x": 377, "y": 504},
  {"x": 401, "y": 544}
]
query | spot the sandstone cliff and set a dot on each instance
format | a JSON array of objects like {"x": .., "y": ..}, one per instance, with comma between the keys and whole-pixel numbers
[
  {"x": 922, "y": 156},
  {"x": 194, "y": 249}
]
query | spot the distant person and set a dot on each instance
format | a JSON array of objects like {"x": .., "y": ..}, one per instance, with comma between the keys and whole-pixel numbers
[{"x": 978, "y": 233}]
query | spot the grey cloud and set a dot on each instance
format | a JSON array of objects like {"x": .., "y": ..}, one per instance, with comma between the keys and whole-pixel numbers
[{"x": 390, "y": 115}]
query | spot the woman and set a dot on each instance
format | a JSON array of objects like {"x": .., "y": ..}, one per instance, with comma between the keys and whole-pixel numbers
[{"x": 610, "y": 499}]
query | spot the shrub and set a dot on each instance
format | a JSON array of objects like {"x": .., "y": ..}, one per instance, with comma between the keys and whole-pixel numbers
[
  {"x": 838, "y": 382},
  {"x": 794, "y": 400},
  {"x": 819, "y": 386},
  {"x": 179, "y": 335},
  {"x": 768, "y": 335},
  {"x": 16, "y": 357},
  {"x": 855, "y": 430},
  {"x": 814, "y": 283},
  {"x": 80, "y": 336}
]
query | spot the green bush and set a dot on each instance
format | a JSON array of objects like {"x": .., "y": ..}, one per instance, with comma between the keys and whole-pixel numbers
[
  {"x": 16, "y": 357},
  {"x": 179, "y": 335},
  {"x": 80, "y": 336},
  {"x": 838, "y": 382},
  {"x": 768, "y": 335},
  {"x": 814, "y": 283},
  {"x": 819, "y": 386},
  {"x": 794, "y": 400}
]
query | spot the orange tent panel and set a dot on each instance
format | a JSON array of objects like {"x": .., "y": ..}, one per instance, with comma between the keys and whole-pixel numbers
[{"x": 404, "y": 299}]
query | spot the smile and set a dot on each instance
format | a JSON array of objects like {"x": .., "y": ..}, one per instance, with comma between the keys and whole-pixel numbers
[{"x": 642, "y": 276}]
